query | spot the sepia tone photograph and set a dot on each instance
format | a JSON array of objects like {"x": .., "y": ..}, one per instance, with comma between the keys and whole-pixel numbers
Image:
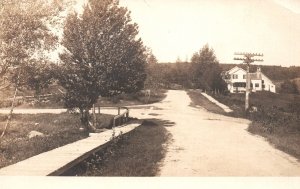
[{"x": 187, "y": 89}]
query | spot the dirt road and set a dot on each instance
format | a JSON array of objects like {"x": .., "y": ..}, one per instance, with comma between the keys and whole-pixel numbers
[{"x": 207, "y": 144}]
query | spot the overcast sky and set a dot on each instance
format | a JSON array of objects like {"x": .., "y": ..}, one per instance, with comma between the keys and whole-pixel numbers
[{"x": 178, "y": 28}]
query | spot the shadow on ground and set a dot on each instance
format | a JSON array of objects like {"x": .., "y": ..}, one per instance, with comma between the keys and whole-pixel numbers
[
  {"x": 158, "y": 122},
  {"x": 137, "y": 153}
]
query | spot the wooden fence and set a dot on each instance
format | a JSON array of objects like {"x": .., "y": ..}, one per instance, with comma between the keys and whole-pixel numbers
[{"x": 121, "y": 118}]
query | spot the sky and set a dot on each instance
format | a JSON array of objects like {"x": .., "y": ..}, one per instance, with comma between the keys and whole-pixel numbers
[{"x": 179, "y": 28}]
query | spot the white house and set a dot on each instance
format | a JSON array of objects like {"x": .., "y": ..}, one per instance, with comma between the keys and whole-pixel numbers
[{"x": 236, "y": 81}]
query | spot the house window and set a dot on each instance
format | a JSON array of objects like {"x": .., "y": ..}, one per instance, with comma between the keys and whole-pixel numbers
[
  {"x": 244, "y": 76},
  {"x": 251, "y": 85},
  {"x": 239, "y": 84},
  {"x": 234, "y": 76},
  {"x": 256, "y": 85}
]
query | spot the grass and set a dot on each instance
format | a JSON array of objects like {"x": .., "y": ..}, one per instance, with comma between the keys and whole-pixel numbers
[
  {"x": 277, "y": 117},
  {"x": 236, "y": 101},
  {"x": 287, "y": 141},
  {"x": 56, "y": 101},
  {"x": 59, "y": 130},
  {"x": 137, "y": 153},
  {"x": 199, "y": 100}
]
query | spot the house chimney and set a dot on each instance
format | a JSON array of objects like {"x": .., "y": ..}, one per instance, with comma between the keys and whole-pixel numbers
[
  {"x": 258, "y": 69},
  {"x": 258, "y": 72}
]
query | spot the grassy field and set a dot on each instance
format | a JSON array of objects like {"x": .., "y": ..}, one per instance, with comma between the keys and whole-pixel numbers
[
  {"x": 58, "y": 130},
  {"x": 137, "y": 153},
  {"x": 277, "y": 117}
]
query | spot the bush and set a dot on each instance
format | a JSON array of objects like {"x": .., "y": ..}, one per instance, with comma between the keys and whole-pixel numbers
[
  {"x": 289, "y": 87},
  {"x": 275, "y": 117}
]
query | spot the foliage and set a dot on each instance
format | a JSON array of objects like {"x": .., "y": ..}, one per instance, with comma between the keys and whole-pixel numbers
[
  {"x": 275, "y": 73},
  {"x": 205, "y": 70},
  {"x": 294, "y": 107},
  {"x": 23, "y": 35},
  {"x": 38, "y": 76},
  {"x": 102, "y": 55},
  {"x": 289, "y": 87},
  {"x": 151, "y": 58},
  {"x": 23, "y": 38},
  {"x": 153, "y": 75}
]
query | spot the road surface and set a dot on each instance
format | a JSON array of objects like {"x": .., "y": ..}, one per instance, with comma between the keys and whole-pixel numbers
[{"x": 208, "y": 144}]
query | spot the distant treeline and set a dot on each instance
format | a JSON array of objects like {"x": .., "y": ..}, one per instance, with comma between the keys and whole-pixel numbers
[
  {"x": 275, "y": 73},
  {"x": 204, "y": 72},
  {"x": 168, "y": 75},
  {"x": 189, "y": 75}
]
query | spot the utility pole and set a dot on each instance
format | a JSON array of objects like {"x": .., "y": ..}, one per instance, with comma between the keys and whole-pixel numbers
[{"x": 248, "y": 58}]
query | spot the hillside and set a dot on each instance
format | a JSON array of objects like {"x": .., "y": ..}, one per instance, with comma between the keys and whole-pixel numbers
[
  {"x": 297, "y": 82},
  {"x": 275, "y": 73}
]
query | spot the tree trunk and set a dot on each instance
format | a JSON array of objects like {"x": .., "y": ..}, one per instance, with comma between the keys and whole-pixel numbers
[
  {"x": 84, "y": 119},
  {"x": 94, "y": 116},
  {"x": 11, "y": 109}
]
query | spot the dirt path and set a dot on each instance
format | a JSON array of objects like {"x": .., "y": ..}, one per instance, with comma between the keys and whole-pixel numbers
[{"x": 207, "y": 144}]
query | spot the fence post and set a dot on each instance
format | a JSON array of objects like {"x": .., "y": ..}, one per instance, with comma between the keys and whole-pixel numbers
[
  {"x": 121, "y": 118},
  {"x": 94, "y": 115},
  {"x": 127, "y": 115}
]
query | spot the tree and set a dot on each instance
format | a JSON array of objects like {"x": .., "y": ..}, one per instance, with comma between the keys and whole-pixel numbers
[
  {"x": 154, "y": 74},
  {"x": 23, "y": 38},
  {"x": 38, "y": 76},
  {"x": 205, "y": 70},
  {"x": 102, "y": 55},
  {"x": 151, "y": 58},
  {"x": 178, "y": 59},
  {"x": 24, "y": 35}
]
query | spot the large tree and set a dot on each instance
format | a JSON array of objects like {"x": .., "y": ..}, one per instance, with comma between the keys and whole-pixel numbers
[
  {"x": 205, "y": 70},
  {"x": 103, "y": 55},
  {"x": 24, "y": 37}
]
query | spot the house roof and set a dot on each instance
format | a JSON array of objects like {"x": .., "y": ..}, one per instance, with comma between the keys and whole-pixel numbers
[
  {"x": 267, "y": 78},
  {"x": 235, "y": 69},
  {"x": 255, "y": 76}
]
